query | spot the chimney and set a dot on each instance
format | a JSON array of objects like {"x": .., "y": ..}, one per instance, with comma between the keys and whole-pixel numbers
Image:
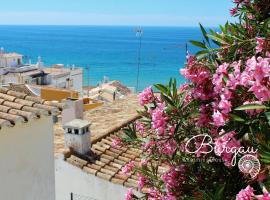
[
  {"x": 73, "y": 110},
  {"x": 77, "y": 135}
]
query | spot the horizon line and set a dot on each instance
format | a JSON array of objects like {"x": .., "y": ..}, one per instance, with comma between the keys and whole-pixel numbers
[{"x": 115, "y": 25}]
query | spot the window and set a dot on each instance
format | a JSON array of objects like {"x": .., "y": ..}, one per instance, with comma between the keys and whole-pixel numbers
[
  {"x": 76, "y": 131},
  {"x": 69, "y": 130},
  {"x": 87, "y": 129}
]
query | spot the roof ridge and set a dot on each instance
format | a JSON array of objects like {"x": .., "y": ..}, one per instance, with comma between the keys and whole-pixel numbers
[{"x": 16, "y": 107}]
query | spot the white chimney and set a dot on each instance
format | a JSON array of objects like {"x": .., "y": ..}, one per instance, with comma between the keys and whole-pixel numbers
[
  {"x": 77, "y": 135},
  {"x": 73, "y": 110}
]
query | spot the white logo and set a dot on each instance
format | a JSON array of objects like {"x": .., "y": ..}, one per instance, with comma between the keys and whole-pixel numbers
[{"x": 250, "y": 165}]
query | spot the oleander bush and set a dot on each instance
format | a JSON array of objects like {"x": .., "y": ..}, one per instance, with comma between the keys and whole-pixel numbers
[{"x": 210, "y": 138}]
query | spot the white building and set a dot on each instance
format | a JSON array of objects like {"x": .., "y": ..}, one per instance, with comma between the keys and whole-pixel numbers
[
  {"x": 26, "y": 147},
  {"x": 95, "y": 174},
  {"x": 63, "y": 77},
  {"x": 10, "y": 59},
  {"x": 12, "y": 70}
]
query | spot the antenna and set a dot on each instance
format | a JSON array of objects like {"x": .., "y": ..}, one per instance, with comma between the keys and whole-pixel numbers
[{"x": 139, "y": 34}]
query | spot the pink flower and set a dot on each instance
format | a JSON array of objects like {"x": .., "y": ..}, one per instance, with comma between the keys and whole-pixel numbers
[
  {"x": 250, "y": 16},
  {"x": 233, "y": 11},
  {"x": 245, "y": 194},
  {"x": 183, "y": 87},
  {"x": 144, "y": 162},
  {"x": 173, "y": 180},
  {"x": 168, "y": 147},
  {"x": 195, "y": 73},
  {"x": 129, "y": 194},
  {"x": 117, "y": 142},
  {"x": 154, "y": 194},
  {"x": 225, "y": 146},
  {"x": 225, "y": 106},
  {"x": 128, "y": 167},
  {"x": 146, "y": 96},
  {"x": 190, "y": 60},
  {"x": 140, "y": 127},
  {"x": 260, "y": 44},
  {"x": 141, "y": 181},
  {"x": 219, "y": 119},
  {"x": 159, "y": 119},
  {"x": 264, "y": 196},
  {"x": 261, "y": 92}
]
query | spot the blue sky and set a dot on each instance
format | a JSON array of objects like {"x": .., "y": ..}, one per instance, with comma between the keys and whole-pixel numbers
[{"x": 115, "y": 12}]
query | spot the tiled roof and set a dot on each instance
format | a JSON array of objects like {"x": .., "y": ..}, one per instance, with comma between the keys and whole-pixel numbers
[
  {"x": 110, "y": 161},
  {"x": 21, "y": 88},
  {"x": 103, "y": 120},
  {"x": 16, "y": 107}
]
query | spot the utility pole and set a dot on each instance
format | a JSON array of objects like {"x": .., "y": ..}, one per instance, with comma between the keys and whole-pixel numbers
[
  {"x": 139, "y": 33},
  {"x": 88, "y": 80}
]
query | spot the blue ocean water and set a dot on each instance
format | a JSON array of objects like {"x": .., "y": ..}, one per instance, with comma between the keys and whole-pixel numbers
[{"x": 109, "y": 50}]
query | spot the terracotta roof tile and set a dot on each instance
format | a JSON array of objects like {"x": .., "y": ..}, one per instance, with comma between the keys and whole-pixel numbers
[
  {"x": 110, "y": 161},
  {"x": 16, "y": 107}
]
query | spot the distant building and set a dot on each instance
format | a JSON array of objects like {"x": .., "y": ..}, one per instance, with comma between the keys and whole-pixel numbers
[
  {"x": 12, "y": 70},
  {"x": 10, "y": 59},
  {"x": 26, "y": 146}
]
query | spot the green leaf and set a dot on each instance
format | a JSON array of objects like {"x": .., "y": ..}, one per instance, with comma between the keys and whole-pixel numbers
[
  {"x": 267, "y": 114},
  {"x": 202, "y": 54},
  {"x": 198, "y": 44},
  {"x": 251, "y": 107},
  {"x": 161, "y": 88},
  {"x": 236, "y": 118},
  {"x": 204, "y": 33},
  {"x": 217, "y": 39}
]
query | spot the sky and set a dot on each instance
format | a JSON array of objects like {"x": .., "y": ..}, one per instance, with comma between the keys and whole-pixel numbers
[{"x": 115, "y": 12}]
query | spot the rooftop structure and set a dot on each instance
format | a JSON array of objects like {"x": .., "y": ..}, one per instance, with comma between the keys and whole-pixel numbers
[
  {"x": 10, "y": 59},
  {"x": 26, "y": 146},
  {"x": 103, "y": 119},
  {"x": 18, "y": 107}
]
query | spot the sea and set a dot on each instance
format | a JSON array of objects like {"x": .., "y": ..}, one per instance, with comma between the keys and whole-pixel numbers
[{"x": 107, "y": 51}]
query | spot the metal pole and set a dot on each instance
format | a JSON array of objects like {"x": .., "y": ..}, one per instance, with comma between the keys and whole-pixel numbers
[
  {"x": 88, "y": 80},
  {"x": 139, "y": 34}
]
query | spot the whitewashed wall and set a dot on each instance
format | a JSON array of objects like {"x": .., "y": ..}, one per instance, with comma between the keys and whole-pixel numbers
[
  {"x": 27, "y": 161},
  {"x": 73, "y": 179}
]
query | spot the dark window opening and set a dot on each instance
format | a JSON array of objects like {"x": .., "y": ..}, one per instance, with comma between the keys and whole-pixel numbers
[
  {"x": 69, "y": 130},
  {"x": 76, "y": 131}
]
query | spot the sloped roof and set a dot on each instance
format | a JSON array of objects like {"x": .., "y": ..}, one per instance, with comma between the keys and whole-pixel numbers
[
  {"x": 17, "y": 107},
  {"x": 111, "y": 160},
  {"x": 21, "y": 88}
]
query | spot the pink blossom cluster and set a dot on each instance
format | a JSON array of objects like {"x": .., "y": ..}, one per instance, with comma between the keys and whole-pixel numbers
[
  {"x": 167, "y": 147},
  {"x": 200, "y": 76},
  {"x": 225, "y": 146},
  {"x": 260, "y": 44},
  {"x": 159, "y": 118},
  {"x": 205, "y": 115},
  {"x": 129, "y": 194},
  {"x": 228, "y": 78},
  {"x": 141, "y": 181},
  {"x": 128, "y": 167},
  {"x": 116, "y": 142},
  {"x": 140, "y": 127},
  {"x": 173, "y": 180},
  {"x": 245, "y": 194},
  {"x": 147, "y": 96},
  {"x": 248, "y": 194}
]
